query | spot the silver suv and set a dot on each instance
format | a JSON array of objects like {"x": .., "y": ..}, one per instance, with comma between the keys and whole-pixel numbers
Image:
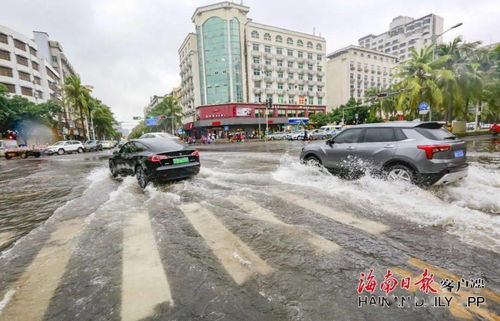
[{"x": 418, "y": 152}]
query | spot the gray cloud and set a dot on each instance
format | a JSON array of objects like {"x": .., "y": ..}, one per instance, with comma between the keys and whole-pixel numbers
[{"x": 127, "y": 49}]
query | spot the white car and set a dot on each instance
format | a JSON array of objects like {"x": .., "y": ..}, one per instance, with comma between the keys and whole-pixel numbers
[
  {"x": 7, "y": 144},
  {"x": 298, "y": 135},
  {"x": 276, "y": 136},
  {"x": 65, "y": 146},
  {"x": 107, "y": 144},
  {"x": 156, "y": 135}
]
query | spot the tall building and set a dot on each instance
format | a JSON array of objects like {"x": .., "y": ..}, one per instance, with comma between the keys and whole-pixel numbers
[
  {"x": 23, "y": 70},
  {"x": 231, "y": 59},
  {"x": 405, "y": 33},
  {"x": 352, "y": 70}
]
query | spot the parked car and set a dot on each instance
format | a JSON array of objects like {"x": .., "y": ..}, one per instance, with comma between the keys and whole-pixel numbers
[
  {"x": 495, "y": 129},
  {"x": 317, "y": 134},
  {"x": 107, "y": 144},
  {"x": 6, "y": 144},
  {"x": 93, "y": 145},
  {"x": 417, "y": 152},
  {"x": 331, "y": 133},
  {"x": 297, "y": 135},
  {"x": 277, "y": 136},
  {"x": 158, "y": 135},
  {"x": 65, "y": 146},
  {"x": 155, "y": 159}
]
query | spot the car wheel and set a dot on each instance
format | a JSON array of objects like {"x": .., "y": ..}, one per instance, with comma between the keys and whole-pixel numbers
[
  {"x": 7, "y": 156},
  {"x": 37, "y": 155},
  {"x": 400, "y": 172},
  {"x": 112, "y": 169},
  {"x": 80, "y": 150},
  {"x": 141, "y": 177},
  {"x": 24, "y": 155},
  {"x": 60, "y": 151},
  {"x": 313, "y": 161}
]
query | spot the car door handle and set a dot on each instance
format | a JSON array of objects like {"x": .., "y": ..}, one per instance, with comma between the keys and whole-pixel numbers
[{"x": 389, "y": 146}]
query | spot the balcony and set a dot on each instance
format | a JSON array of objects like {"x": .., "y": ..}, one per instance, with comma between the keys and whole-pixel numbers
[
  {"x": 269, "y": 67},
  {"x": 301, "y": 60},
  {"x": 320, "y": 73},
  {"x": 255, "y": 66},
  {"x": 379, "y": 72},
  {"x": 311, "y": 93},
  {"x": 257, "y": 90},
  {"x": 269, "y": 91},
  {"x": 320, "y": 94},
  {"x": 269, "y": 55},
  {"x": 280, "y": 91},
  {"x": 366, "y": 69},
  {"x": 301, "y": 71},
  {"x": 311, "y": 82},
  {"x": 301, "y": 93},
  {"x": 360, "y": 69},
  {"x": 280, "y": 68},
  {"x": 268, "y": 79},
  {"x": 300, "y": 82},
  {"x": 280, "y": 57},
  {"x": 373, "y": 71},
  {"x": 352, "y": 67},
  {"x": 291, "y": 80},
  {"x": 256, "y": 53},
  {"x": 256, "y": 78}
]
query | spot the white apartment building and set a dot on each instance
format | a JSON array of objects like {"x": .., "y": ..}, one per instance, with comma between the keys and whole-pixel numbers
[
  {"x": 23, "y": 71},
  {"x": 231, "y": 59},
  {"x": 352, "y": 70},
  {"x": 405, "y": 33}
]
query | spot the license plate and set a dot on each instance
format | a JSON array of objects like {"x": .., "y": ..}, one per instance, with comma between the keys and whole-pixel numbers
[
  {"x": 181, "y": 160},
  {"x": 459, "y": 153}
]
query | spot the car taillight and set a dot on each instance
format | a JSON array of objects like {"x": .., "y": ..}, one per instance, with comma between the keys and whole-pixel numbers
[
  {"x": 431, "y": 149},
  {"x": 157, "y": 158},
  {"x": 195, "y": 153}
]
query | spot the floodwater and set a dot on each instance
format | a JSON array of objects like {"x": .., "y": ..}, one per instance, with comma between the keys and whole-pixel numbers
[{"x": 255, "y": 236}]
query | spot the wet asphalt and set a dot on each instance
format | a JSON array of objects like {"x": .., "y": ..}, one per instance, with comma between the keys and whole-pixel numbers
[{"x": 255, "y": 236}]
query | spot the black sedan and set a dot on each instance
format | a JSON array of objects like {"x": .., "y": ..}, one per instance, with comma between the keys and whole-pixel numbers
[{"x": 155, "y": 159}]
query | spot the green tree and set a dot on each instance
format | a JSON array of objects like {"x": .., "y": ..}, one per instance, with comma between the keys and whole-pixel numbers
[
  {"x": 172, "y": 111},
  {"x": 77, "y": 95}
]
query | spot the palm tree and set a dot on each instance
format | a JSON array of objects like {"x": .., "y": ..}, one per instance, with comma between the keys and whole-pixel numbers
[
  {"x": 418, "y": 82},
  {"x": 77, "y": 94},
  {"x": 169, "y": 108}
]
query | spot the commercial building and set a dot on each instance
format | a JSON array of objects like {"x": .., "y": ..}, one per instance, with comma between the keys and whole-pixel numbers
[
  {"x": 352, "y": 70},
  {"x": 22, "y": 69},
  {"x": 405, "y": 33},
  {"x": 232, "y": 60}
]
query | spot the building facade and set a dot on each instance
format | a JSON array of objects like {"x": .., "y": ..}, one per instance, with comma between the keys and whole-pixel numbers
[
  {"x": 405, "y": 33},
  {"x": 353, "y": 70},
  {"x": 23, "y": 71},
  {"x": 231, "y": 59}
]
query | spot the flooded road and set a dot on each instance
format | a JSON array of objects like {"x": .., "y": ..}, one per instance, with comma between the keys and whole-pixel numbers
[{"x": 255, "y": 236}]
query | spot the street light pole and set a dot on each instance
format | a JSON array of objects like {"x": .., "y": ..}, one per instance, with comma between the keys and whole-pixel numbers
[{"x": 434, "y": 38}]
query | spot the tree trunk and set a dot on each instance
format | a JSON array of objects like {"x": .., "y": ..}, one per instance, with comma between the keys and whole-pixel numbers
[{"x": 83, "y": 123}]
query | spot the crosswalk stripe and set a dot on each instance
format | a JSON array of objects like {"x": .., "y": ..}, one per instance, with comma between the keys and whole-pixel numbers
[
  {"x": 339, "y": 216},
  {"x": 36, "y": 286},
  {"x": 236, "y": 257},
  {"x": 144, "y": 282},
  {"x": 266, "y": 215}
]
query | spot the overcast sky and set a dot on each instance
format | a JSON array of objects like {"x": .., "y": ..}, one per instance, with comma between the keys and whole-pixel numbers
[{"x": 127, "y": 49}]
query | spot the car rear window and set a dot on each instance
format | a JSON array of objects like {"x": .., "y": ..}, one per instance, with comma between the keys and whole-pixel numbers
[
  {"x": 379, "y": 135},
  {"x": 436, "y": 134}
]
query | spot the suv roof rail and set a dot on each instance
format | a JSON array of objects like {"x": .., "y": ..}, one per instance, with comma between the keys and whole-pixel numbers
[{"x": 431, "y": 124}]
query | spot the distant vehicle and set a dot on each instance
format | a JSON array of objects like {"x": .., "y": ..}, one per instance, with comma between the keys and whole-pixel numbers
[
  {"x": 484, "y": 125},
  {"x": 331, "y": 127},
  {"x": 297, "y": 135},
  {"x": 277, "y": 136},
  {"x": 107, "y": 144},
  {"x": 155, "y": 159},
  {"x": 93, "y": 145},
  {"x": 331, "y": 133},
  {"x": 417, "y": 152},
  {"x": 317, "y": 134},
  {"x": 9, "y": 148},
  {"x": 470, "y": 126},
  {"x": 495, "y": 129},
  {"x": 65, "y": 146},
  {"x": 158, "y": 135}
]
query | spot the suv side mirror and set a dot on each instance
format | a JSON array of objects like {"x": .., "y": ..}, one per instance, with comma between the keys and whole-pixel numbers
[{"x": 330, "y": 141}]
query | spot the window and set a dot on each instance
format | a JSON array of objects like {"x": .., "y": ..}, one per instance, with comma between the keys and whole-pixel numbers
[
  {"x": 290, "y": 64},
  {"x": 310, "y": 88},
  {"x": 257, "y": 100},
  {"x": 19, "y": 45},
  {"x": 24, "y": 76},
  {"x": 300, "y": 54},
  {"x": 256, "y": 60},
  {"x": 301, "y": 66},
  {"x": 281, "y": 99},
  {"x": 255, "y": 47},
  {"x": 309, "y": 55},
  {"x": 280, "y": 74},
  {"x": 320, "y": 88},
  {"x": 37, "y": 80},
  {"x": 34, "y": 65},
  {"x": 309, "y": 67},
  {"x": 256, "y": 72},
  {"x": 4, "y": 55},
  {"x": 301, "y": 76},
  {"x": 269, "y": 85},
  {"x": 280, "y": 63},
  {"x": 289, "y": 41},
  {"x": 300, "y": 43},
  {"x": 435, "y": 133},
  {"x": 268, "y": 61},
  {"x": 33, "y": 51},
  {"x": 54, "y": 59},
  {"x": 309, "y": 45},
  {"x": 267, "y": 36},
  {"x": 309, "y": 77},
  {"x": 290, "y": 75},
  {"x": 290, "y": 52},
  {"x": 22, "y": 60},
  {"x": 320, "y": 101},
  {"x": 301, "y": 87},
  {"x": 373, "y": 135},
  {"x": 291, "y": 99},
  {"x": 319, "y": 46},
  {"x": 5, "y": 71},
  {"x": 279, "y": 51},
  {"x": 255, "y": 34},
  {"x": 267, "y": 49},
  {"x": 320, "y": 68},
  {"x": 348, "y": 136},
  {"x": 280, "y": 85},
  {"x": 319, "y": 57},
  {"x": 3, "y": 38},
  {"x": 279, "y": 39},
  {"x": 269, "y": 73},
  {"x": 26, "y": 91},
  {"x": 310, "y": 100},
  {"x": 10, "y": 87},
  {"x": 319, "y": 78}
]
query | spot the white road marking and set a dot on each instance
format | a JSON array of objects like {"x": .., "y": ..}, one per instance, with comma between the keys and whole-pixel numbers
[
  {"x": 258, "y": 212},
  {"x": 339, "y": 216},
  {"x": 236, "y": 257},
  {"x": 35, "y": 288},
  {"x": 144, "y": 282}
]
